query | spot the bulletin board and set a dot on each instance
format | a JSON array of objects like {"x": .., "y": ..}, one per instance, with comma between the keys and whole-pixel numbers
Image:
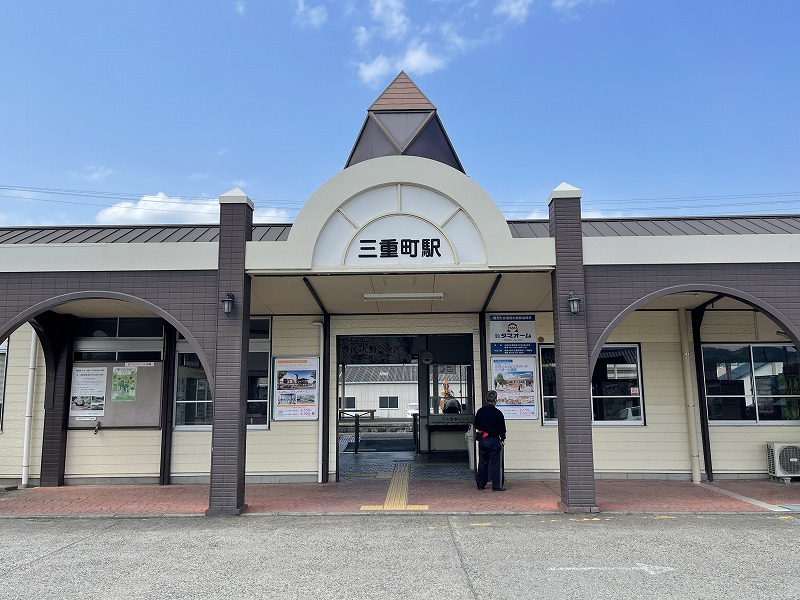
[{"x": 115, "y": 394}]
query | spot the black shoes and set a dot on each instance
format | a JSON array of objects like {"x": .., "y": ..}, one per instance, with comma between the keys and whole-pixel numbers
[
  {"x": 498, "y": 489},
  {"x": 481, "y": 487}
]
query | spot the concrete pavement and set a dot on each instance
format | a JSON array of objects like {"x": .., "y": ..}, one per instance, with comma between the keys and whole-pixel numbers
[{"x": 389, "y": 493}]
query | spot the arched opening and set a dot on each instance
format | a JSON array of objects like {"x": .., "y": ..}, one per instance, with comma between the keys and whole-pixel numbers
[
  {"x": 730, "y": 371},
  {"x": 111, "y": 392}
]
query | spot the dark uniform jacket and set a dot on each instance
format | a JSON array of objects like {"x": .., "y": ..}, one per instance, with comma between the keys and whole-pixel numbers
[{"x": 490, "y": 420}]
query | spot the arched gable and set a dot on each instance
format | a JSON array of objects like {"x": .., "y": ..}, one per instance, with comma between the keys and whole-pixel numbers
[
  {"x": 614, "y": 292},
  {"x": 382, "y": 198}
]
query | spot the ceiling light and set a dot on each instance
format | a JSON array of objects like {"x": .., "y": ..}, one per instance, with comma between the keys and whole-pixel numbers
[{"x": 404, "y": 296}]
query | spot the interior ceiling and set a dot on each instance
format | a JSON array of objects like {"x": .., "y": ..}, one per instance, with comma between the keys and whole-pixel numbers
[{"x": 344, "y": 294}]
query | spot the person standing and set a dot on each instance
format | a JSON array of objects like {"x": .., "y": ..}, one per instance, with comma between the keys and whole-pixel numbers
[{"x": 490, "y": 431}]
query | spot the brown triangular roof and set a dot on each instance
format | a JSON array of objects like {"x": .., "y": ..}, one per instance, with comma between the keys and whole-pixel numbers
[{"x": 402, "y": 94}]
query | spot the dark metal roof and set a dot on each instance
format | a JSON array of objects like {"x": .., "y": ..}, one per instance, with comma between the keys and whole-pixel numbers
[
  {"x": 668, "y": 226},
  {"x": 642, "y": 226},
  {"x": 131, "y": 234}
]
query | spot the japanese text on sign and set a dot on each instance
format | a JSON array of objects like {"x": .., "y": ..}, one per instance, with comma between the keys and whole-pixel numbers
[{"x": 391, "y": 248}]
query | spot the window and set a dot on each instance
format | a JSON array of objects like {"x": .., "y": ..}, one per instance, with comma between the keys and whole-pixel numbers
[
  {"x": 616, "y": 385},
  {"x": 193, "y": 403},
  {"x": 3, "y": 355},
  {"x": 128, "y": 327},
  {"x": 258, "y": 373},
  {"x": 752, "y": 383},
  {"x": 547, "y": 375},
  {"x": 388, "y": 402},
  {"x": 349, "y": 402},
  {"x": 257, "y": 388}
]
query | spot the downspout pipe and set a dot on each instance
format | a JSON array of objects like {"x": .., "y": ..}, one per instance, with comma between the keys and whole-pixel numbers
[
  {"x": 688, "y": 392},
  {"x": 26, "y": 440}
]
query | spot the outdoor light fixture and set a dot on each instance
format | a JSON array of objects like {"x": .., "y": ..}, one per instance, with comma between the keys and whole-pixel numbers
[
  {"x": 227, "y": 303},
  {"x": 404, "y": 296},
  {"x": 574, "y": 303}
]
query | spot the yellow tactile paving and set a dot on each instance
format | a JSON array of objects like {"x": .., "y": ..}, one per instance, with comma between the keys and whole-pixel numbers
[{"x": 397, "y": 496}]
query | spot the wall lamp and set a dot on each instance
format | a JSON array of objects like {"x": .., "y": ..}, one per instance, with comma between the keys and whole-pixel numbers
[
  {"x": 227, "y": 303},
  {"x": 574, "y": 303}
]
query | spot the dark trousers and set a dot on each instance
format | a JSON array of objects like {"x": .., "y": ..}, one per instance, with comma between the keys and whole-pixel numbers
[{"x": 490, "y": 452}]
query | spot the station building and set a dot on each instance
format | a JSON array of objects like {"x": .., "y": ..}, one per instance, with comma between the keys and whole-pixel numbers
[{"x": 621, "y": 348}]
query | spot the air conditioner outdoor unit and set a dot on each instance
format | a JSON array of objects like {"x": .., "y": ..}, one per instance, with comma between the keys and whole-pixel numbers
[{"x": 783, "y": 459}]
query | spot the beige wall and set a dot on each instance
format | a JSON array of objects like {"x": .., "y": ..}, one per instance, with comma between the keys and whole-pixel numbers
[
  {"x": 289, "y": 450},
  {"x": 118, "y": 453},
  {"x": 13, "y": 426},
  {"x": 662, "y": 445}
]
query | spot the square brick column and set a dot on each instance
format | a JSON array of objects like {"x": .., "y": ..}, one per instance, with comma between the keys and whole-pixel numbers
[
  {"x": 229, "y": 431},
  {"x": 572, "y": 355}
]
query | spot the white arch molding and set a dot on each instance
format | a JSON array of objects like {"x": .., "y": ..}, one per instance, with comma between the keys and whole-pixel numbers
[{"x": 399, "y": 198}]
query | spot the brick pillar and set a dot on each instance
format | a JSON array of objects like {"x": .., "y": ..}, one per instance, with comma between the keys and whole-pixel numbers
[
  {"x": 572, "y": 355},
  {"x": 228, "y": 437}
]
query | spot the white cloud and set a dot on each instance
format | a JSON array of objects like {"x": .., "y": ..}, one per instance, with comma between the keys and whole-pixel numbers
[
  {"x": 418, "y": 59},
  {"x": 390, "y": 14},
  {"x": 241, "y": 183},
  {"x": 362, "y": 36},
  {"x": 516, "y": 10},
  {"x": 567, "y": 5},
  {"x": 240, "y": 7},
  {"x": 373, "y": 72},
  {"x": 270, "y": 215},
  {"x": 93, "y": 173},
  {"x": 311, "y": 16},
  {"x": 160, "y": 208}
]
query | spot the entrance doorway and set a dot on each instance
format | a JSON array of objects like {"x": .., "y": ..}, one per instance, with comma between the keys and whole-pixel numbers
[{"x": 404, "y": 399}]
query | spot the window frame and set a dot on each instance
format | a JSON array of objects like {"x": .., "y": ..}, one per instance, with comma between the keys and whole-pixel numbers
[
  {"x": 551, "y": 422},
  {"x": 183, "y": 347},
  {"x": 642, "y": 422},
  {"x": 757, "y": 421},
  {"x": 261, "y": 344},
  {"x": 389, "y": 401}
]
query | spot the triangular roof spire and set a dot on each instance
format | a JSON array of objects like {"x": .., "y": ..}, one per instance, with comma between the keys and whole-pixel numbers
[
  {"x": 402, "y": 121},
  {"x": 402, "y": 94}
]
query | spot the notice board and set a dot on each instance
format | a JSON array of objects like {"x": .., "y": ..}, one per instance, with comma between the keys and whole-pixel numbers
[{"x": 116, "y": 394}]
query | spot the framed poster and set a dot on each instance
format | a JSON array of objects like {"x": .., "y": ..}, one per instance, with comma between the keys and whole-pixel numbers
[
  {"x": 512, "y": 334},
  {"x": 296, "y": 389},
  {"x": 88, "y": 394},
  {"x": 514, "y": 380}
]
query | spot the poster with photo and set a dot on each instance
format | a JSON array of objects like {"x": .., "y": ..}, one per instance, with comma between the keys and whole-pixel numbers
[
  {"x": 296, "y": 389},
  {"x": 514, "y": 380},
  {"x": 123, "y": 384},
  {"x": 88, "y": 392}
]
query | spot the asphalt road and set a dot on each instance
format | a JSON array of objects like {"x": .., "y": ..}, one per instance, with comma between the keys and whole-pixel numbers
[{"x": 403, "y": 556}]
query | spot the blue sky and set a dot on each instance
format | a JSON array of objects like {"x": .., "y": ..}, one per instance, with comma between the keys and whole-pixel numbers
[{"x": 144, "y": 111}]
